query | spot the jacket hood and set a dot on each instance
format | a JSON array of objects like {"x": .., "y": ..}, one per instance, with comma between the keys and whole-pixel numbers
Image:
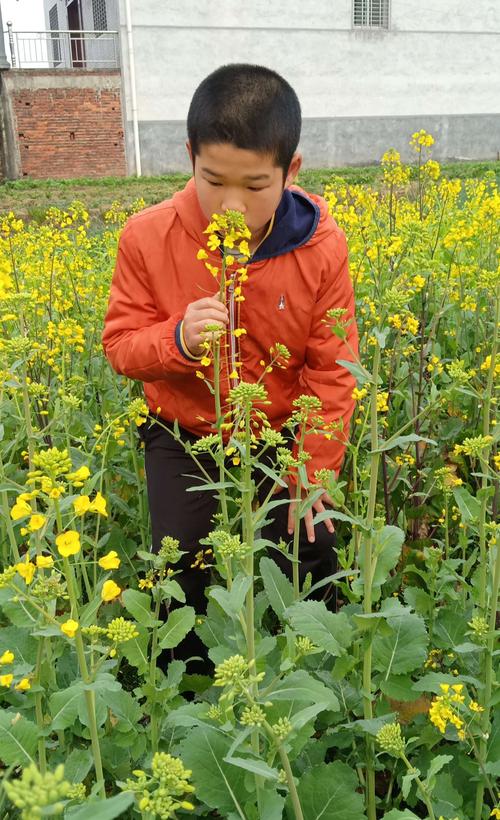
[{"x": 300, "y": 219}]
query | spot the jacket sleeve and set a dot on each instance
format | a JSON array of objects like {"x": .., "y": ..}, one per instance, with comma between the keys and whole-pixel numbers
[
  {"x": 137, "y": 343},
  {"x": 322, "y": 376}
]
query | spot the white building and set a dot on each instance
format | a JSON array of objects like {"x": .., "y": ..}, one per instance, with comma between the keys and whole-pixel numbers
[{"x": 367, "y": 72}]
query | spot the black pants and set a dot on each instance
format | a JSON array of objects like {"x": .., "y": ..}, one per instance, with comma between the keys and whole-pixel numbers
[{"x": 187, "y": 516}]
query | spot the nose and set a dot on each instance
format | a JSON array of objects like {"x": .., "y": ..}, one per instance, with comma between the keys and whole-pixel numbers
[{"x": 232, "y": 201}]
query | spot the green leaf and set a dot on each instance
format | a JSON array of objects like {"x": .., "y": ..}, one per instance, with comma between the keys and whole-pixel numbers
[
  {"x": 64, "y": 706},
  {"x": 404, "y": 648},
  {"x": 20, "y": 642},
  {"x": 402, "y": 441},
  {"x": 272, "y": 805},
  {"x": 136, "y": 650},
  {"x": 77, "y": 765},
  {"x": 299, "y": 719},
  {"x": 399, "y": 687},
  {"x": 407, "y": 780},
  {"x": 301, "y": 686},
  {"x": 101, "y": 809},
  {"x": 139, "y": 605},
  {"x": 329, "y": 792},
  {"x": 18, "y": 739},
  {"x": 254, "y": 765},
  {"x": 232, "y": 602},
  {"x": 217, "y": 783},
  {"x": 20, "y": 613},
  {"x": 431, "y": 682},
  {"x": 386, "y": 551},
  {"x": 331, "y": 632},
  {"x": 435, "y": 767},
  {"x": 395, "y": 814},
  {"x": 88, "y": 612},
  {"x": 179, "y": 623},
  {"x": 446, "y": 799},
  {"x": 126, "y": 709},
  {"x": 360, "y": 373},
  {"x": 278, "y": 588},
  {"x": 470, "y": 507}
]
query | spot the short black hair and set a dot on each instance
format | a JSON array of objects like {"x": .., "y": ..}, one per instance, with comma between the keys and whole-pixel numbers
[{"x": 249, "y": 106}]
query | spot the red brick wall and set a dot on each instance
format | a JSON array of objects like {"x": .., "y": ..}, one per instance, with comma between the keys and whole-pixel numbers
[{"x": 68, "y": 123}]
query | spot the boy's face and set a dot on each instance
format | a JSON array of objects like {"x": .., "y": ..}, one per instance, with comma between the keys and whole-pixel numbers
[{"x": 230, "y": 178}]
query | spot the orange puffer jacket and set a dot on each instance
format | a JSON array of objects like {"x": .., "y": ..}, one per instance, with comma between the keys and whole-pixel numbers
[{"x": 286, "y": 299}]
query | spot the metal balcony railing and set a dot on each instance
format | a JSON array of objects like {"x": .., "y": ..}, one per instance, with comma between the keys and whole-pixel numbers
[{"x": 63, "y": 49}]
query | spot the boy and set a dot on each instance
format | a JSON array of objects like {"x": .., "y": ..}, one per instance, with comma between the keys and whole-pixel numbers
[{"x": 243, "y": 128}]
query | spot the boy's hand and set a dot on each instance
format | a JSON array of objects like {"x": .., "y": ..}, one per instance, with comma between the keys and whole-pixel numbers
[
  {"x": 199, "y": 314},
  {"x": 318, "y": 506}
]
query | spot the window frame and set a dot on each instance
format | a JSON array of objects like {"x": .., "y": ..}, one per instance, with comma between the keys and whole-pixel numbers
[{"x": 366, "y": 12}]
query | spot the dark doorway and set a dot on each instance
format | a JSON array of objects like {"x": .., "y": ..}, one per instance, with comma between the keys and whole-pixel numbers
[{"x": 77, "y": 44}]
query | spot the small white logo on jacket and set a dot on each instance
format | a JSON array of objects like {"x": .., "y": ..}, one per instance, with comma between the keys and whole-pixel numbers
[{"x": 281, "y": 303}]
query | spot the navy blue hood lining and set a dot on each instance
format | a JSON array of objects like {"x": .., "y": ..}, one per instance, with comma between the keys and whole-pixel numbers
[{"x": 295, "y": 221}]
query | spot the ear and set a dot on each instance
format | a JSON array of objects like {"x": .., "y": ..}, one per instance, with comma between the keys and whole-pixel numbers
[
  {"x": 293, "y": 169},
  {"x": 190, "y": 152}
]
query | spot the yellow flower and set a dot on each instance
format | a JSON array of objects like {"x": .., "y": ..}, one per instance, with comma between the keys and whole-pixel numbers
[
  {"x": 23, "y": 685},
  {"x": 79, "y": 475},
  {"x": 26, "y": 570},
  {"x": 70, "y": 628},
  {"x": 7, "y": 657},
  {"x": 205, "y": 362},
  {"x": 44, "y": 561},
  {"x": 244, "y": 248},
  {"x": 6, "y": 680},
  {"x": 199, "y": 374},
  {"x": 213, "y": 242},
  {"x": 68, "y": 543},
  {"x": 212, "y": 268},
  {"x": 98, "y": 505},
  {"x": 36, "y": 522},
  {"x": 110, "y": 561},
  {"x": 81, "y": 504},
  {"x": 20, "y": 509},
  {"x": 202, "y": 254},
  {"x": 229, "y": 260},
  {"x": 110, "y": 591},
  {"x": 239, "y": 331}
]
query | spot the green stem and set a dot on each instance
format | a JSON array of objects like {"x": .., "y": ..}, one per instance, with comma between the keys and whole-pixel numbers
[
  {"x": 152, "y": 670},
  {"x": 248, "y": 536},
  {"x": 82, "y": 663},
  {"x": 42, "y": 760},
  {"x": 423, "y": 791},
  {"x": 296, "y": 524},
  {"x": 285, "y": 762},
  {"x": 218, "y": 421},
  {"x": 140, "y": 495},
  {"x": 367, "y": 592},
  {"x": 485, "y": 699}
]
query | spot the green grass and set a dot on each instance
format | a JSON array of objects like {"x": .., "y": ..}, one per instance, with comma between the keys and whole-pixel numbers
[{"x": 30, "y": 198}]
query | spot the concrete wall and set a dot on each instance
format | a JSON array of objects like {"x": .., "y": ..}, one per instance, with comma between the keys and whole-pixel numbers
[{"x": 361, "y": 91}]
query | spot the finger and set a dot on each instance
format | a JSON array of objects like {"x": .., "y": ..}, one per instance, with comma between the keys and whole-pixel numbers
[
  {"x": 320, "y": 507},
  {"x": 327, "y": 500},
  {"x": 308, "y": 521}
]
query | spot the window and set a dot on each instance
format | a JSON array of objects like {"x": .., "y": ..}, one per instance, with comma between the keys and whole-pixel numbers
[
  {"x": 370, "y": 13},
  {"x": 54, "y": 26},
  {"x": 99, "y": 14}
]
